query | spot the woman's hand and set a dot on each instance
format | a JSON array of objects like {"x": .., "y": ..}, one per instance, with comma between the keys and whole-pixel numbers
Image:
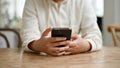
[
  {"x": 49, "y": 45},
  {"x": 78, "y": 45}
]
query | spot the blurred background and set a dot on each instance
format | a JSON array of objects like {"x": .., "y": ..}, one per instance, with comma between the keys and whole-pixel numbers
[
  {"x": 11, "y": 17},
  {"x": 11, "y": 13},
  {"x": 107, "y": 12}
]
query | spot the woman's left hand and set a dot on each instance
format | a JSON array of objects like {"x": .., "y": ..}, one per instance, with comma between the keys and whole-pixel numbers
[{"x": 78, "y": 45}]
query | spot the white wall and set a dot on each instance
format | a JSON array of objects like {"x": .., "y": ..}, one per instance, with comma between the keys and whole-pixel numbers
[
  {"x": 111, "y": 16},
  {"x": 117, "y": 12}
]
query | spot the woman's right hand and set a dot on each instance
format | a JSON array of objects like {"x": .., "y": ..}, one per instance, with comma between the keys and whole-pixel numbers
[{"x": 50, "y": 45}]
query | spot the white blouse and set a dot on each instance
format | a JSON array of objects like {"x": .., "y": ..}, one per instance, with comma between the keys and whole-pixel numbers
[{"x": 75, "y": 14}]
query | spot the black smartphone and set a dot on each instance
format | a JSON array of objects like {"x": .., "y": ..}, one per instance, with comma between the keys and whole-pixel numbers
[{"x": 62, "y": 32}]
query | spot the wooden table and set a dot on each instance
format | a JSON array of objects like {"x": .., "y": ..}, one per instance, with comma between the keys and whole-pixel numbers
[{"x": 108, "y": 57}]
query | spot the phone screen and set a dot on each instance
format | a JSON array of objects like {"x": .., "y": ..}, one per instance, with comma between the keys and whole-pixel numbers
[{"x": 62, "y": 32}]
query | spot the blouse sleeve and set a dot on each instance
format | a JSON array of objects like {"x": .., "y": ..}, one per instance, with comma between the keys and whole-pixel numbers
[
  {"x": 30, "y": 29},
  {"x": 89, "y": 27}
]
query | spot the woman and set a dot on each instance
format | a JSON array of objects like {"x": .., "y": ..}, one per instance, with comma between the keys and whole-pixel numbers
[{"x": 39, "y": 15}]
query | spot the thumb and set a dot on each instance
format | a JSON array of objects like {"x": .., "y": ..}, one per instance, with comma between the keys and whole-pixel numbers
[
  {"x": 46, "y": 32},
  {"x": 74, "y": 36}
]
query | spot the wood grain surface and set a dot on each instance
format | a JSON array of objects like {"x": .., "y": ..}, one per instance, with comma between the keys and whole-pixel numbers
[{"x": 108, "y": 57}]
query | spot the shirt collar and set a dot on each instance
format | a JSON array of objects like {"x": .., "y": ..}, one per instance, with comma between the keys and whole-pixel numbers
[{"x": 64, "y": 2}]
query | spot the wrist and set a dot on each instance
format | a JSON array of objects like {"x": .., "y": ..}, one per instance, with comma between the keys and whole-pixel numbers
[
  {"x": 90, "y": 46},
  {"x": 86, "y": 45},
  {"x": 33, "y": 46}
]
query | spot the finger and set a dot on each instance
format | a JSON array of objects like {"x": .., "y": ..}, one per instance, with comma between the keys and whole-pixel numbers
[
  {"x": 74, "y": 36},
  {"x": 46, "y": 32},
  {"x": 72, "y": 44},
  {"x": 58, "y": 54},
  {"x": 59, "y": 49},
  {"x": 65, "y": 43},
  {"x": 61, "y": 53},
  {"x": 56, "y": 39},
  {"x": 67, "y": 53},
  {"x": 63, "y": 48},
  {"x": 70, "y": 50}
]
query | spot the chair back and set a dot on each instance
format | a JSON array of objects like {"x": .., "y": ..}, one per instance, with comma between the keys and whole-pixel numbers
[
  {"x": 11, "y": 30},
  {"x": 6, "y": 40},
  {"x": 114, "y": 29}
]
